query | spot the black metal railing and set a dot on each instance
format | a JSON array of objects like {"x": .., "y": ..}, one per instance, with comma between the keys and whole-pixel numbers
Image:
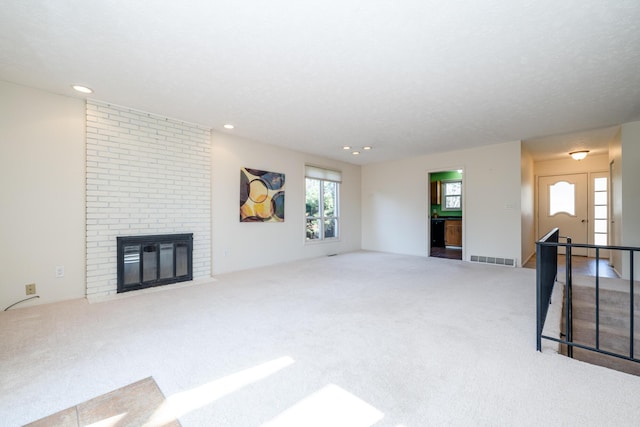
[
  {"x": 546, "y": 271},
  {"x": 546, "y": 277}
]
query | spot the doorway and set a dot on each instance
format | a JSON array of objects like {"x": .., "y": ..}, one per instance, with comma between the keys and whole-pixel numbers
[
  {"x": 578, "y": 205},
  {"x": 562, "y": 203},
  {"x": 445, "y": 214}
]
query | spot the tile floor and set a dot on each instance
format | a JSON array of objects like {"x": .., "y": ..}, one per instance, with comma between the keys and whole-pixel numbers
[
  {"x": 132, "y": 405},
  {"x": 449, "y": 253}
]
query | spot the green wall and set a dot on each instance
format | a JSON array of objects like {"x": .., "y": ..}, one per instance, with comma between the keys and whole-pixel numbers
[{"x": 443, "y": 176}]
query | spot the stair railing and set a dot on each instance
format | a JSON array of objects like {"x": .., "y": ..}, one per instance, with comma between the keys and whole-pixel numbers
[
  {"x": 546, "y": 271},
  {"x": 569, "y": 297},
  {"x": 546, "y": 277}
]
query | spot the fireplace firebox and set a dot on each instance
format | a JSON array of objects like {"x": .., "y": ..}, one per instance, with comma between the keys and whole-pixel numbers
[{"x": 146, "y": 261}]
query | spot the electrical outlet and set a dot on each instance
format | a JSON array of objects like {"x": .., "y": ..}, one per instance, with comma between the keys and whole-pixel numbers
[
  {"x": 60, "y": 271},
  {"x": 30, "y": 289}
]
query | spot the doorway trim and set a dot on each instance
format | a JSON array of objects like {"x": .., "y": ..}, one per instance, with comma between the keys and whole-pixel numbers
[{"x": 428, "y": 212}]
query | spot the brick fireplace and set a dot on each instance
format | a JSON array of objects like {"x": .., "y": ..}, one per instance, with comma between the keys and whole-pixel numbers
[{"x": 146, "y": 176}]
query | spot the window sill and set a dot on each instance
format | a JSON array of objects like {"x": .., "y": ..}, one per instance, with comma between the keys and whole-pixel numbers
[{"x": 321, "y": 241}]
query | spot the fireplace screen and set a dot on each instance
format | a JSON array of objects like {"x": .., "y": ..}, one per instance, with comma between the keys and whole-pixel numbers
[{"x": 145, "y": 261}]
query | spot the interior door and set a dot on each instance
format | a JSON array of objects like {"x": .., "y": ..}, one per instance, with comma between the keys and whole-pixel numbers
[{"x": 563, "y": 203}]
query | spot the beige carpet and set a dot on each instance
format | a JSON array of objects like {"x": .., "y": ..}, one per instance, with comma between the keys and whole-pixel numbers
[
  {"x": 134, "y": 405},
  {"x": 360, "y": 339}
]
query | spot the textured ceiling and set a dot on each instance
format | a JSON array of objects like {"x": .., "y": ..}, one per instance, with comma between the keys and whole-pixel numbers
[
  {"x": 559, "y": 146},
  {"x": 407, "y": 77}
]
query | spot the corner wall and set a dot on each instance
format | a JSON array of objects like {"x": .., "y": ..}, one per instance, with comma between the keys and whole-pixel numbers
[
  {"x": 239, "y": 246},
  {"x": 395, "y": 206},
  {"x": 527, "y": 205},
  {"x": 42, "y": 169},
  {"x": 615, "y": 199},
  {"x": 43, "y": 180},
  {"x": 630, "y": 194}
]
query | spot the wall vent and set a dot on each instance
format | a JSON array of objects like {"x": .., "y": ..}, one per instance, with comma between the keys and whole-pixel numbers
[{"x": 509, "y": 262}]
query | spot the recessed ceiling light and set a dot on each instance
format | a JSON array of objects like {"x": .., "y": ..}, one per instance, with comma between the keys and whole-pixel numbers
[
  {"x": 82, "y": 89},
  {"x": 355, "y": 153},
  {"x": 366, "y": 147},
  {"x": 346, "y": 147},
  {"x": 229, "y": 126}
]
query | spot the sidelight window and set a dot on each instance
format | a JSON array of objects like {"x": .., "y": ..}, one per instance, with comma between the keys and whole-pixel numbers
[{"x": 600, "y": 211}]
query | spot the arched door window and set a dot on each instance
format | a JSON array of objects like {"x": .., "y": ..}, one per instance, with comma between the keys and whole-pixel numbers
[{"x": 562, "y": 198}]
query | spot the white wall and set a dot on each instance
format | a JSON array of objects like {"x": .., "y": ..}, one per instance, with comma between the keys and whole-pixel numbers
[
  {"x": 630, "y": 197},
  {"x": 592, "y": 163},
  {"x": 42, "y": 172},
  {"x": 527, "y": 206},
  {"x": 395, "y": 205},
  {"x": 630, "y": 138},
  {"x": 238, "y": 246},
  {"x": 615, "y": 198}
]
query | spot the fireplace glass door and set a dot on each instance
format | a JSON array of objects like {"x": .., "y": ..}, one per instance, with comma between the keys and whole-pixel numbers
[
  {"x": 150, "y": 262},
  {"x": 131, "y": 264},
  {"x": 145, "y": 261},
  {"x": 166, "y": 260}
]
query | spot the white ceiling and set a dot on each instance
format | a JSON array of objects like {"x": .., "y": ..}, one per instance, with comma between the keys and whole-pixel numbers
[
  {"x": 559, "y": 146},
  {"x": 407, "y": 77}
]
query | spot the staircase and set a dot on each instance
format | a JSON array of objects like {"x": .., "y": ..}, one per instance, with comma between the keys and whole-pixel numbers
[{"x": 614, "y": 327}]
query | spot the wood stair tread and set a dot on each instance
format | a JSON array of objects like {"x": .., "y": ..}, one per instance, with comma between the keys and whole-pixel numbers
[
  {"x": 614, "y": 328},
  {"x": 611, "y": 338}
]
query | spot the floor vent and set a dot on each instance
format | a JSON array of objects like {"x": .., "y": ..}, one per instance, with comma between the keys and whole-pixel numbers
[{"x": 509, "y": 262}]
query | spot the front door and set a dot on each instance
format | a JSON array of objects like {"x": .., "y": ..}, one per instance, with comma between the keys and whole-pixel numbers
[{"x": 562, "y": 203}]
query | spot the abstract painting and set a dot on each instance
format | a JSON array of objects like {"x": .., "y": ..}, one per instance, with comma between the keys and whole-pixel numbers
[{"x": 261, "y": 196}]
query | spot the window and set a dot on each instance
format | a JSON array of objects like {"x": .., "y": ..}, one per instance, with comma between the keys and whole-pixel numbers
[
  {"x": 322, "y": 203},
  {"x": 451, "y": 195},
  {"x": 600, "y": 211},
  {"x": 562, "y": 198}
]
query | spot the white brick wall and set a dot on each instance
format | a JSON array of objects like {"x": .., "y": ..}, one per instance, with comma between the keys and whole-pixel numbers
[{"x": 146, "y": 174}]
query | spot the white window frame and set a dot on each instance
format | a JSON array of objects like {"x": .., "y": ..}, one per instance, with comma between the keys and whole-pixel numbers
[
  {"x": 443, "y": 205},
  {"x": 323, "y": 175},
  {"x": 605, "y": 207}
]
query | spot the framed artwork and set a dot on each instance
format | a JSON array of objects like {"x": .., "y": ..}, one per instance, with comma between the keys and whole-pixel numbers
[{"x": 261, "y": 196}]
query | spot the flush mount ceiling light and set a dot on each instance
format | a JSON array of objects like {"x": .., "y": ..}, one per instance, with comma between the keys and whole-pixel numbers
[
  {"x": 346, "y": 147},
  {"x": 355, "y": 153},
  {"x": 579, "y": 155},
  {"x": 368, "y": 147},
  {"x": 82, "y": 89},
  {"x": 229, "y": 126}
]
